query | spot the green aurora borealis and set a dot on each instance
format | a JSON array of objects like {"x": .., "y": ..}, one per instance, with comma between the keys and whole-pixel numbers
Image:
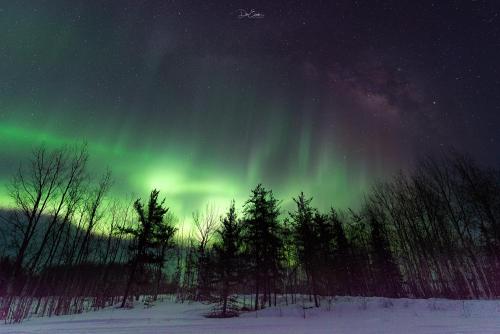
[
  {"x": 189, "y": 176},
  {"x": 204, "y": 106}
]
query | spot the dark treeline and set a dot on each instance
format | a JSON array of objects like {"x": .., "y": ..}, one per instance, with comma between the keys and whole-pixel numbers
[{"x": 434, "y": 232}]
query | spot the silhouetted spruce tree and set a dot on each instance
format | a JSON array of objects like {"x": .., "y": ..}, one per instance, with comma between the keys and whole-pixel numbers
[
  {"x": 205, "y": 273},
  {"x": 324, "y": 253},
  {"x": 306, "y": 239},
  {"x": 227, "y": 262},
  {"x": 151, "y": 234},
  {"x": 262, "y": 241}
]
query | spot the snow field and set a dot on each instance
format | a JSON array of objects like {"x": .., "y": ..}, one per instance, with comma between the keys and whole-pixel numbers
[{"x": 343, "y": 315}]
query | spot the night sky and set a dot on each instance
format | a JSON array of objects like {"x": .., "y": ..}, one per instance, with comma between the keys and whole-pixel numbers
[{"x": 185, "y": 96}]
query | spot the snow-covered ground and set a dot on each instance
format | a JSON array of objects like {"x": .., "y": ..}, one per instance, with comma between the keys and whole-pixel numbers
[{"x": 345, "y": 315}]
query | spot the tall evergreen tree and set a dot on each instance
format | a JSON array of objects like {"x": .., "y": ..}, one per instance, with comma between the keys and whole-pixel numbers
[
  {"x": 228, "y": 259},
  {"x": 324, "y": 252},
  {"x": 306, "y": 239},
  {"x": 150, "y": 235},
  {"x": 262, "y": 241}
]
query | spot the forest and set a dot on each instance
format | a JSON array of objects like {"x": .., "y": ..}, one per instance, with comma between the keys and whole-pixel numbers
[{"x": 67, "y": 246}]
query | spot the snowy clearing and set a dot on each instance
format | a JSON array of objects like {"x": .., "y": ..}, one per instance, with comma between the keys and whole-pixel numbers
[{"x": 346, "y": 315}]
